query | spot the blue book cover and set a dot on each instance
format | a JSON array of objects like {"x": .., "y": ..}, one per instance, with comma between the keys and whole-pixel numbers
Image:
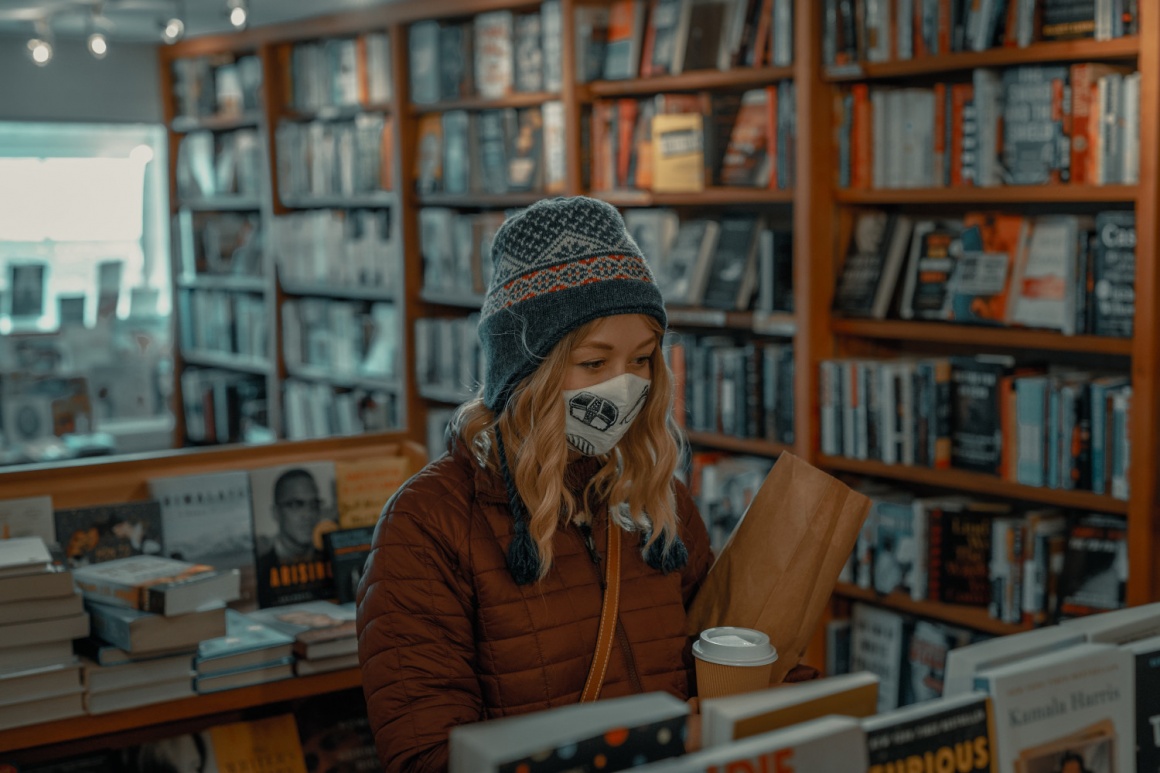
[
  {"x": 1030, "y": 407},
  {"x": 243, "y": 634},
  {"x": 1101, "y": 388},
  {"x": 1054, "y": 420}
]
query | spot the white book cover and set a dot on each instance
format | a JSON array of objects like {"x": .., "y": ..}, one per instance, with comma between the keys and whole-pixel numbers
[
  {"x": 1044, "y": 277},
  {"x": 833, "y": 744},
  {"x": 27, "y": 517},
  {"x": 1076, "y": 705},
  {"x": 964, "y": 662},
  {"x": 23, "y": 555},
  {"x": 206, "y": 519},
  {"x": 1120, "y": 626},
  {"x": 876, "y": 645}
]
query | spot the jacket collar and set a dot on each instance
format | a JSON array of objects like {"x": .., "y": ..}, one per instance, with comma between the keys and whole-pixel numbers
[{"x": 489, "y": 485}]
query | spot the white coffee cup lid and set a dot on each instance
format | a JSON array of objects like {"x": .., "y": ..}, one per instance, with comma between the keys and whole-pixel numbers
[{"x": 731, "y": 646}]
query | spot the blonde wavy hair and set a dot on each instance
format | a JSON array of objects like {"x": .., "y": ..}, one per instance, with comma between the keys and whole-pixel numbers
[{"x": 636, "y": 478}]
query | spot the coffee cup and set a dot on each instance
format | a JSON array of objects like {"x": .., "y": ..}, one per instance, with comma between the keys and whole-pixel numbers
[{"x": 732, "y": 660}]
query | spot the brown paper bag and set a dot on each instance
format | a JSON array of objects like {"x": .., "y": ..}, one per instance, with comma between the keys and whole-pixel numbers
[{"x": 780, "y": 565}]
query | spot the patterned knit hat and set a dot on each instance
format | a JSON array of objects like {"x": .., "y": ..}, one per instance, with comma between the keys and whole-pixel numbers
[{"x": 559, "y": 264}]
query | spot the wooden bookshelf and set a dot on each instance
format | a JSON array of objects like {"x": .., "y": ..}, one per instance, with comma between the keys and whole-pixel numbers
[
  {"x": 977, "y": 483},
  {"x": 736, "y": 445},
  {"x": 385, "y": 294},
  {"x": 482, "y": 200},
  {"x": 516, "y": 99},
  {"x": 974, "y": 618},
  {"x": 981, "y": 338},
  {"x": 227, "y": 701},
  {"x": 1119, "y": 49},
  {"x": 709, "y": 197},
  {"x": 242, "y": 284},
  {"x": 375, "y": 200},
  {"x": 217, "y": 123},
  {"x": 226, "y": 361}
]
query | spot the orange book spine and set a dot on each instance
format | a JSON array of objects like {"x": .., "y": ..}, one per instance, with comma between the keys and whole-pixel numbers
[
  {"x": 940, "y": 134},
  {"x": 626, "y": 127},
  {"x": 360, "y": 58},
  {"x": 944, "y": 27},
  {"x": 920, "y": 49},
  {"x": 862, "y": 141},
  {"x": 1007, "y": 428},
  {"x": 961, "y": 94},
  {"x": 1082, "y": 125},
  {"x": 771, "y": 133}
]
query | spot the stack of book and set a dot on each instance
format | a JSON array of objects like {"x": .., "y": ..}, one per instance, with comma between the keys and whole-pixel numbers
[
  {"x": 40, "y": 615},
  {"x": 324, "y": 634},
  {"x": 150, "y": 606},
  {"x": 250, "y": 653}
]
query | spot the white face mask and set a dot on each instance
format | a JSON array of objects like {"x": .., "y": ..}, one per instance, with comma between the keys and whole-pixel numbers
[{"x": 599, "y": 415}]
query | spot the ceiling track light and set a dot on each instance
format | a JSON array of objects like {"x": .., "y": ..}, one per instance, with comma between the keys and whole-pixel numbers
[
  {"x": 40, "y": 45},
  {"x": 239, "y": 13},
  {"x": 98, "y": 42},
  {"x": 173, "y": 28}
]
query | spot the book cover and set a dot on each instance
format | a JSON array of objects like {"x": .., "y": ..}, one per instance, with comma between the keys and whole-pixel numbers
[
  {"x": 964, "y": 663},
  {"x": 1095, "y": 565},
  {"x": 834, "y": 744},
  {"x": 953, "y": 733},
  {"x": 926, "y": 656},
  {"x": 525, "y": 159},
  {"x": 528, "y": 51},
  {"x": 620, "y": 731},
  {"x": 877, "y": 645},
  {"x": 165, "y": 586},
  {"x": 494, "y": 57},
  {"x": 678, "y": 144},
  {"x": 1146, "y": 653},
  {"x": 90, "y": 535},
  {"x": 993, "y": 244},
  {"x": 348, "y": 550},
  {"x": 934, "y": 249},
  {"x": 456, "y": 62},
  {"x": 729, "y": 719},
  {"x": 1042, "y": 287},
  {"x": 623, "y": 44},
  {"x": 869, "y": 276},
  {"x": 246, "y": 676},
  {"x": 27, "y": 517},
  {"x": 363, "y": 487},
  {"x": 246, "y": 641},
  {"x": 336, "y": 735},
  {"x": 732, "y": 276},
  {"x": 320, "y": 628},
  {"x": 269, "y": 745},
  {"x": 747, "y": 161},
  {"x": 1073, "y": 705},
  {"x": 423, "y": 51},
  {"x": 1114, "y": 270},
  {"x": 206, "y": 519},
  {"x": 977, "y": 435},
  {"x": 24, "y": 555},
  {"x": 683, "y": 274},
  {"x": 140, "y": 633},
  {"x": 1036, "y": 146},
  {"x": 105, "y": 678},
  {"x": 293, "y": 506},
  {"x": 429, "y": 154}
]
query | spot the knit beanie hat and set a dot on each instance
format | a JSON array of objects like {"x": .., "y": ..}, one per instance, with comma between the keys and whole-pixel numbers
[{"x": 557, "y": 265}]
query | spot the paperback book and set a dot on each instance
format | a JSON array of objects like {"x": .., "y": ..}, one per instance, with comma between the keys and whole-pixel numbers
[
  {"x": 91, "y": 535},
  {"x": 164, "y": 586}
]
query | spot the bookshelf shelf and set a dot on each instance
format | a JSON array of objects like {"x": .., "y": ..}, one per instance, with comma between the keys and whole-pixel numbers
[
  {"x": 779, "y": 324},
  {"x": 218, "y": 123},
  {"x": 517, "y": 99},
  {"x": 976, "y": 336},
  {"x": 1004, "y": 194},
  {"x": 736, "y": 444},
  {"x": 977, "y": 483},
  {"x": 221, "y": 204},
  {"x": 226, "y": 361},
  {"x": 345, "y": 293},
  {"x": 739, "y": 77},
  {"x": 716, "y": 196},
  {"x": 458, "y": 300},
  {"x": 244, "y": 284},
  {"x": 75, "y": 728},
  {"x": 967, "y": 617},
  {"x": 1119, "y": 49},
  {"x": 445, "y": 394},
  {"x": 375, "y": 200},
  {"x": 481, "y": 200},
  {"x": 354, "y": 380}
]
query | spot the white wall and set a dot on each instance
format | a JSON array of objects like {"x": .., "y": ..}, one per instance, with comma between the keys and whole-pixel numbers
[{"x": 123, "y": 87}]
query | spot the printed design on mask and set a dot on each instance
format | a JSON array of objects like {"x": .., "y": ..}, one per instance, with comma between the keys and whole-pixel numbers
[
  {"x": 630, "y": 415},
  {"x": 597, "y": 417},
  {"x": 594, "y": 411}
]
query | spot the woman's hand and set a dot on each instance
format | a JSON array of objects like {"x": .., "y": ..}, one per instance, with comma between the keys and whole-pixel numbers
[{"x": 693, "y": 732}]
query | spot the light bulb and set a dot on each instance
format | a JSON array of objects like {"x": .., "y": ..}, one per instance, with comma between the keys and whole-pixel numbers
[
  {"x": 173, "y": 30},
  {"x": 98, "y": 45},
  {"x": 40, "y": 50},
  {"x": 238, "y": 16}
]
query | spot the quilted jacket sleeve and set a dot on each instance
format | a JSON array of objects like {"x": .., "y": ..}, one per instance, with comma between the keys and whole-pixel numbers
[
  {"x": 416, "y": 642},
  {"x": 696, "y": 539}
]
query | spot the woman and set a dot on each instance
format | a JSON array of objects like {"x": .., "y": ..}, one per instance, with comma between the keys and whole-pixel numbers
[{"x": 482, "y": 596}]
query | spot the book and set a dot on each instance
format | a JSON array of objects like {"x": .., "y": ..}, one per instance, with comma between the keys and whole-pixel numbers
[
  {"x": 320, "y": 629},
  {"x": 102, "y": 678},
  {"x": 834, "y": 744},
  {"x": 869, "y": 276},
  {"x": 993, "y": 244},
  {"x": 27, "y": 517},
  {"x": 623, "y": 731},
  {"x": 90, "y": 535},
  {"x": 684, "y": 273},
  {"x": 732, "y": 274},
  {"x": 47, "y": 653},
  {"x": 335, "y": 733},
  {"x": 958, "y": 732},
  {"x": 1095, "y": 565},
  {"x": 40, "y": 609},
  {"x": 1042, "y": 285},
  {"x": 1114, "y": 274},
  {"x": 747, "y": 160},
  {"x": 1121, "y": 626},
  {"x": 622, "y": 46},
  {"x": 141, "y": 632},
  {"x": 348, "y": 550},
  {"x": 926, "y": 654},
  {"x": 24, "y": 555},
  {"x": 140, "y": 695},
  {"x": 251, "y": 744},
  {"x": 363, "y": 487},
  {"x": 494, "y": 57},
  {"x": 38, "y": 632},
  {"x": 104, "y": 654},
  {"x": 293, "y": 506},
  {"x": 877, "y": 645},
  {"x": 206, "y": 519},
  {"x": 165, "y": 586},
  {"x": 43, "y": 710},
  {"x": 678, "y": 163},
  {"x": 38, "y": 683},
  {"x": 1078, "y": 702},
  {"x": 1146, "y": 654},
  {"x": 963, "y": 663},
  {"x": 325, "y": 665},
  {"x": 259, "y": 673},
  {"x": 247, "y": 642},
  {"x": 729, "y": 719}
]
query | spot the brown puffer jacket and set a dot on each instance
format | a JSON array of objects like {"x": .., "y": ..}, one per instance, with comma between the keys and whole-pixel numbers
[{"x": 446, "y": 637}]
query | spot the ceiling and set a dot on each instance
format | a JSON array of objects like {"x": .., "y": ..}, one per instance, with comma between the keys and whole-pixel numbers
[{"x": 138, "y": 20}]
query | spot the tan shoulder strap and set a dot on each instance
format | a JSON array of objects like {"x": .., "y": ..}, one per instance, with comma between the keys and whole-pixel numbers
[{"x": 608, "y": 612}]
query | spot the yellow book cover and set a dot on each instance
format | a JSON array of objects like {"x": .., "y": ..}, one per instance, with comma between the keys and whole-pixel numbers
[
  {"x": 364, "y": 486},
  {"x": 678, "y": 153},
  {"x": 259, "y": 746}
]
